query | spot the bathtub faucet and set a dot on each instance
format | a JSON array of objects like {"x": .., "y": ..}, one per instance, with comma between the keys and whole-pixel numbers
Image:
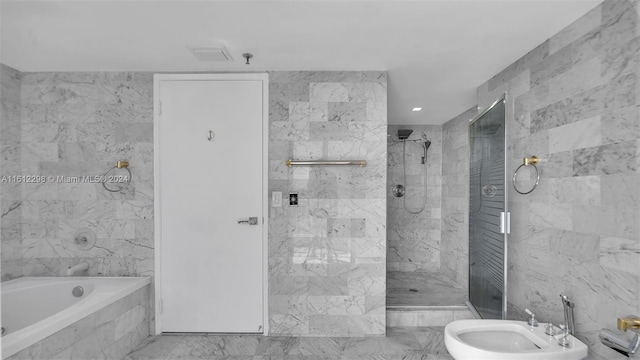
[{"x": 79, "y": 267}]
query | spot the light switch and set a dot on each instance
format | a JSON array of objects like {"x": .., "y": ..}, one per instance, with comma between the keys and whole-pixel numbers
[{"x": 276, "y": 198}]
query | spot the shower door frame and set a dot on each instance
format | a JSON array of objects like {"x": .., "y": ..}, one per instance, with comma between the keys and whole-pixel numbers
[{"x": 506, "y": 219}]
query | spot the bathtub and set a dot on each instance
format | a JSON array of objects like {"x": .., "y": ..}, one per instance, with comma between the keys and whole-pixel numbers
[{"x": 34, "y": 308}]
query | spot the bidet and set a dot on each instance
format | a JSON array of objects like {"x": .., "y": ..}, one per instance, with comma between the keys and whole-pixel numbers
[{"x": 509, "y": 340}]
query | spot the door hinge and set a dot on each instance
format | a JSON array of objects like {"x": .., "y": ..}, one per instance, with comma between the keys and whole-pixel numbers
[
  {"x": 160, "y": 306},
  {"x": 160, "y": 107},
  {"x": 505, "y": 222}
]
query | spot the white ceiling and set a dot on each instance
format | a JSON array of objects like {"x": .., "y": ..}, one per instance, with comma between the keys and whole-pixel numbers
[{"x": 436, "y": 52}]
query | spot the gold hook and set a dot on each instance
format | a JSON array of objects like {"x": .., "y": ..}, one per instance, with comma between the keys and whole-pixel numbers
[{"x": 122, "y": 164}]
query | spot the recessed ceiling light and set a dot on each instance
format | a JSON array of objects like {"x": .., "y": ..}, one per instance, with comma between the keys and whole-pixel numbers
[{"x": 416, "y": 109}]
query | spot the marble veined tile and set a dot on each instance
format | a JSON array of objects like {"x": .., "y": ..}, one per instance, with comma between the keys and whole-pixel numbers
[
  {"x": 619, "y": 220},
  {"x": 621, "y": 189},
  {"x": 346, "y": 325},
  {"x": 346, "y": 150},
  {"x": 328, "y": 92},
  {"x": 573, "y": 32},
  {"x": 289, "y": 324},
  {"x": 399, "y": 343},
  {"x": 328, "y": 131},
  {"x": 299, "y": 111},
  {"x": 319, "y": 111},
  {"x": 606, "y": 159},
  {"x": 577, "y": 135},
  {"x": 620, "y": 254},
  {"x": 307, "y": 150},
  {"x": 369, "y": 91},
  {"x": 557, "y": 215},
  {"x": 376, "y": 112},
  {"x": 621, "y": 125},
  {"x": 615, "y": 94},
  {"x": 577, "y": 190},
  {"x": 347, "y": 111}
]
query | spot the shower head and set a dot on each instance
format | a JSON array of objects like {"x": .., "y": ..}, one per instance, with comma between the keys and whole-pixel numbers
[
  {"x": 425, "y": 146},
  {"x": 403, "y": 134}
]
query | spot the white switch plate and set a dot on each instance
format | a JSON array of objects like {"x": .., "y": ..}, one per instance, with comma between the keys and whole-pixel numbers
[{"x": 276, "y": 198}]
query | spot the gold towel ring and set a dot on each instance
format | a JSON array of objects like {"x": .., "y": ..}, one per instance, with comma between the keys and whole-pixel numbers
[
  {"x": 528, "y": 161},
  {"x": 125, "y": 180}
]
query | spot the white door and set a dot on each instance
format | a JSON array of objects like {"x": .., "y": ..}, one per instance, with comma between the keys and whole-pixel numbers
[{"x": 210, "y": 177}]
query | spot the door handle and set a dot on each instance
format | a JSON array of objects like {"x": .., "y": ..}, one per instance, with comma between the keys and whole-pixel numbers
[
  {"x": 505, "y": 222},
  {"x": 249, "y": 221}
]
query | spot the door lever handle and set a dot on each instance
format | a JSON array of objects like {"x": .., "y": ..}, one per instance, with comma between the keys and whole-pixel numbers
[{"x": 249, "y": 221}]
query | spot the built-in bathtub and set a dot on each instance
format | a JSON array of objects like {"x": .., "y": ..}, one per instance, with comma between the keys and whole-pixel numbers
[{"x": 74, "y": 317}]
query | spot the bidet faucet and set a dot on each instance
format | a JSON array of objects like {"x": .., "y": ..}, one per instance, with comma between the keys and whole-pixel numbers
[
  {"x": 532, "y": 320},
  {"x": 568, "y": 314},
  {"x": 81, "y": 266}
]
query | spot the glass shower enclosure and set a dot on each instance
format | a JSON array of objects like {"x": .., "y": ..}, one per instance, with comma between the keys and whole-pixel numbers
[{"x": 488, "y": 215}]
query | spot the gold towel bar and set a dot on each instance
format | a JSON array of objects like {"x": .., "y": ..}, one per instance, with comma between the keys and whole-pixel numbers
[{"x": 291, "y": 163}]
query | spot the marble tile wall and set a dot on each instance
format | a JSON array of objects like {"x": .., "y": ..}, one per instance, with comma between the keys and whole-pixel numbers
[
  {"x": 575, "y": 102},
  {"x": 454, "y": 253},
  {"x": 327, "y": 255},
  {"x": 81, "y": 124},
  {"x": 413, "y": 240},
  {"x": 109, "y": 333},
  {"x": 10, "y": 164}
]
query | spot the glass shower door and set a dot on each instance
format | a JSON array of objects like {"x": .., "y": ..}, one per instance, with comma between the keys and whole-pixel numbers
[{"x": 488, "y": 216}]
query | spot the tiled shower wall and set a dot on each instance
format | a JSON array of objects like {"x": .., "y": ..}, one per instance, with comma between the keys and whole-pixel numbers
[
  {"x": 327, "y": 255},
  {"x": 454, "y": 253},
  {"x": 80, "y": 124},
  {"x": 575, "y": 101},
  {"x": 10, "y": 164},
  {"x": 413, "y": 240}
]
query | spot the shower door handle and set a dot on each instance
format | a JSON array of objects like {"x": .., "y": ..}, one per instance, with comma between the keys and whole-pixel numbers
[{"x": 505, "y": 222}]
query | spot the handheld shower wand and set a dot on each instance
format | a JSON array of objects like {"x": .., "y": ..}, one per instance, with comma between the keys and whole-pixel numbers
[{"x": 425, "y": 146}]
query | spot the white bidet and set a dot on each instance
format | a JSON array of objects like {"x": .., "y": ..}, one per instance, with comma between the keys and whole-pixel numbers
[{"x": 507, "y": 339}]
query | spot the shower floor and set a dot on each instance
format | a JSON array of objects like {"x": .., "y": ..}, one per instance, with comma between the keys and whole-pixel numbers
[{"x": 423, "y": 289}]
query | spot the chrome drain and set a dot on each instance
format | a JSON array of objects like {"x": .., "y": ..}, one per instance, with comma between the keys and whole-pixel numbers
[{"x": 77, "y": 291}]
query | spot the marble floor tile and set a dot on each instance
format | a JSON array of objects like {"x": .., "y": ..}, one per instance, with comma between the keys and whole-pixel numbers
[
  {"x": 407, "y": 343},
  {"x": 423, "y": 289}
]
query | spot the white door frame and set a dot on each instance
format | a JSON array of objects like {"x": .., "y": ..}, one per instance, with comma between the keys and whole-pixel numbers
[{"x": 157, "y": 186}]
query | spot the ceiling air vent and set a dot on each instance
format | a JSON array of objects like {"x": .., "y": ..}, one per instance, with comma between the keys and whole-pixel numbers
[{"x": 210, "y": 53}]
